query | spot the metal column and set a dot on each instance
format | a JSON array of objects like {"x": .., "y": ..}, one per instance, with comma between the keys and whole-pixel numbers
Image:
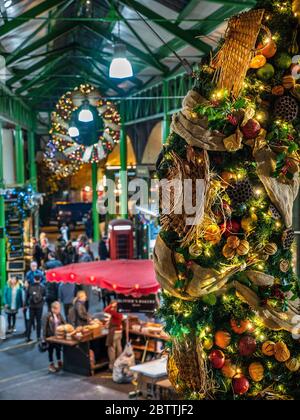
[
  {"x": 2, "y": 223},
  {"x": 95, "y": 214},
  {"x": 166, "y": 121},
  {"x": 32, "y": 162},
  {"x": 20, "y": 161},
  {"x": 123, "y": 172}
]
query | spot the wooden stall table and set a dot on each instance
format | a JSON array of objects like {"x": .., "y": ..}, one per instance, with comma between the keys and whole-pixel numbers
[
  {"x": 76, "y": 354},
  {"x": 149, "y": 374},
  {"x": 149, "y": 342}
]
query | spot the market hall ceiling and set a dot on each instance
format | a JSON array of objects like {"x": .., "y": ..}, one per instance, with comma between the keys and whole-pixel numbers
[{"x": 52, "y": 46}]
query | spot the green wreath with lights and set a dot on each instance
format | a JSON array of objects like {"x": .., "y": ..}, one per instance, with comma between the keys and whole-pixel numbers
[{"x": 95, "y": 137}]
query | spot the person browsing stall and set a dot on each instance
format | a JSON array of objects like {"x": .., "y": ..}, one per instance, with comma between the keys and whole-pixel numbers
[
  {"x": 79, "y": 315},
  {"x": 115, "y": 333}
]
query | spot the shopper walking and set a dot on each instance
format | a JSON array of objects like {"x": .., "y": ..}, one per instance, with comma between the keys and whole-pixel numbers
[
  {"x": 103, "y": 251},
  {"x": 35, "y": 299},
  {"x": 79, "y": 316},
  {"x": 37, "y": 252},
  {"x": 25, "y": 308},
  {"x": 44, "y": 243},
  {"x": 115, "y": 333},
  {"x": 65, "y": 232},
  {"x": 69, "y": 254},
  {"x": 52, "y": 288},
  {"x": 66, "y": 293},
  {"x": 13, "y": 302},
  {"x": 34, "y": 270},
  {"x": 52, "y": 321}
]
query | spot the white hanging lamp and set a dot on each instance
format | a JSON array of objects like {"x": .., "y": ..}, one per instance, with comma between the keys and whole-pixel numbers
[
  {"x": 120, "y": 67},
  {"x": 86, "y": 115},
  {"x": 73, "y": 131}
]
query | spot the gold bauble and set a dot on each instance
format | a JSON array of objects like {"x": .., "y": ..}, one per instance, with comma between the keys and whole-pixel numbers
[
  {"x": 213, "y": 234},
  {"x": 208, "y": 344},
  {"x": 233, "y": 242},
  {"x": 244, "y": 248},
  {"x": 248, "y": 223},
  {"x": 282, "y": 353},
  {"x": 256, "y": 371}
]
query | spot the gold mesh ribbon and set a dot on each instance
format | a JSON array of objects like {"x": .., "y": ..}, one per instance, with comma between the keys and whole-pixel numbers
[{"x": 233, "y": 60}]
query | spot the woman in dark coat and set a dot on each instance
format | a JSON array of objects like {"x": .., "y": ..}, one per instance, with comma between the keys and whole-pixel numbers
[
  {"x": 81, "y": 317},
  {"x": 52, "y": 321}
]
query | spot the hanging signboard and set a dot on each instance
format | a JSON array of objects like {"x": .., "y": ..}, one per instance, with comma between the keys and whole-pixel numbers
[{"x": 130, "y": 304}]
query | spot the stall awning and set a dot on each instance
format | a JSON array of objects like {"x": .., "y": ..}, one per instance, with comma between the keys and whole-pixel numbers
[{"x": 128, "y": 277}]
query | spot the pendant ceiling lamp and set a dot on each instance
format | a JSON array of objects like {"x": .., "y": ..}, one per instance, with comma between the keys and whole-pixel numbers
[
  {"x": 86, "y": 115},
  {"x": 73, "y": 131},
  {"x": 120, "y": 67}
]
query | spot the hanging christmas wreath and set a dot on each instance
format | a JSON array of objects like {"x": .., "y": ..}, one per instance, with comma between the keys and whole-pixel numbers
[{"x": 85, "y": 127}]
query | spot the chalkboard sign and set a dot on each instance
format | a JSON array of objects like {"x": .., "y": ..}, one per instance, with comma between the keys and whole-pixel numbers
[
  {"x": 16, "y": 266},
  {"x": 143, "y": 304}
]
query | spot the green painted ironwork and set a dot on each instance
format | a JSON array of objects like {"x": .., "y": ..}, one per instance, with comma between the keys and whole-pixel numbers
[
  {"x": 41, "y": 8},
  {"x": 95, "y": 214},
  {"x": 124, "y": 159},
  {"x": 166, "y": 119},
  {"x": 169, "y": 26},
  {"x": 2, "y": 223},
  {"x": 13, "y": 109},
  {"x": 52, "y": 36},
  {"x": 156, "y": 101},
  {"x": 32, "y": 161},
  {"x": 20, "y": 158}
]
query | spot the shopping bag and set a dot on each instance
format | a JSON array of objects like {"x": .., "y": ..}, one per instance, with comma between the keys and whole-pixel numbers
[{"x": 2, "y": 327}]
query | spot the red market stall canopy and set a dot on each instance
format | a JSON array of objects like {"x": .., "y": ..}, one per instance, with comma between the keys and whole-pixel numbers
[{"x": 127, "y": 277}]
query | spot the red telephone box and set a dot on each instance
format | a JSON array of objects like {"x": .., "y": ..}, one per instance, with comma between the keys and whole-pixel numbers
[{"x": 121, "y": 240}]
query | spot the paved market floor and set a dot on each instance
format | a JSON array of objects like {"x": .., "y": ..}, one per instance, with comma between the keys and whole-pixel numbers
[{"x": 24, "y": 376}]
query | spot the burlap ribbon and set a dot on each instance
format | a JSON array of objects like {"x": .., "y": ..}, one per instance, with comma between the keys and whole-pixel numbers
[
  {"x": 206, "y": 281},
  {"x": 282, "y": 194},
  {"x": 194, "y": 129}
]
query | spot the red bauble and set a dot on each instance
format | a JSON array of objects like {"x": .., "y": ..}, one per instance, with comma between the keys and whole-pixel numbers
[
  {"x": 230, "y": 228},
  {"x": 240, "y": 385},
  {"x": 247, "y": 346},
  {"x": 251, "y": 130},
  {"x": 217, "y": 358}
]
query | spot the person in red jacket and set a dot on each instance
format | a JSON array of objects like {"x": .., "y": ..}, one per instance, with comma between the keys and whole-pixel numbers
[{"x": 114, "y": 338}]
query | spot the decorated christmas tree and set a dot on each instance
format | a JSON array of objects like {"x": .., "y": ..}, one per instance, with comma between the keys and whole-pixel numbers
[{"x": 231, "y": 295}]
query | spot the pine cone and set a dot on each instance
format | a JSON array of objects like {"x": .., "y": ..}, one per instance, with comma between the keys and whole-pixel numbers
[
  {"x": 274, "y": 212},
  {"x": 241, "y": 192},
  {"x": 288, "y": 238}
]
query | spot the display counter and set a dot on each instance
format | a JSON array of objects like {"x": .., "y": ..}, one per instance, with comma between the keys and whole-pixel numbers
[
  {"x": 147, "y": 338},
  {"x": 83, "y": 357}
]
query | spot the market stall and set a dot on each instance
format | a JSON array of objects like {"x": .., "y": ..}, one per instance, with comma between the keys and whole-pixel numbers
[
  {"x": 135, "y": 286},
  {"x": 84, "y": 348}
]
